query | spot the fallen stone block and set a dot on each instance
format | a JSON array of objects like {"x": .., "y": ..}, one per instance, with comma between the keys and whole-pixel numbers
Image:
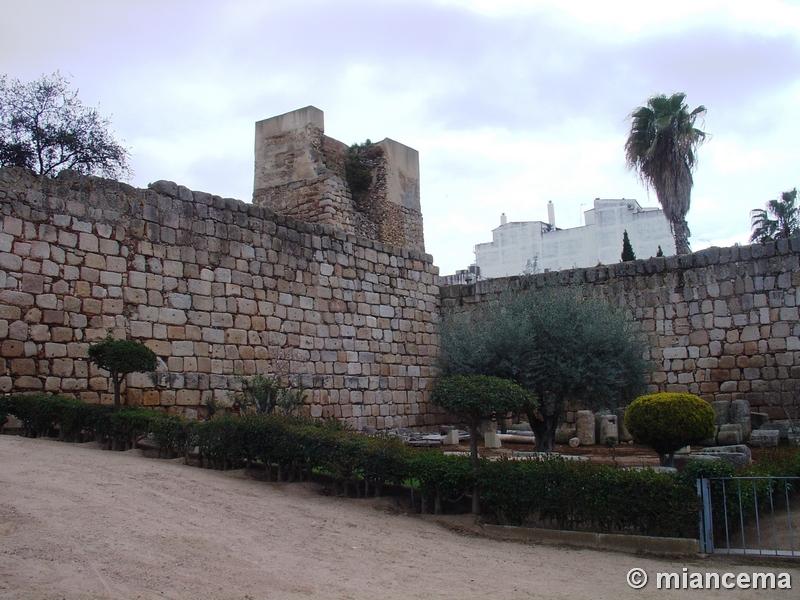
[
  {"x": 765, "y": 438},
  {"x": 564, "y": 433},
  {"x": 451, "y": 439},
  {"x": 738, "y": 454},
  {"x": 491, "y": 440},
  {"x": 729, "y": 434}
]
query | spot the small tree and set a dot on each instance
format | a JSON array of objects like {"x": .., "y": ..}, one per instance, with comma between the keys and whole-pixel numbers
[
  {"x": 45, "y": 128},
  {"x": 120, "y": 357},
  {"x": 660, "y": 252},
  {"x": 669, "y": 421},
  {"x": 475, "y": 398},
  {"x": 627, "y": 249}
]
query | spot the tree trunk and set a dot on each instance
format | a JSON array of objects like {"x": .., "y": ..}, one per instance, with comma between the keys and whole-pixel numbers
[
  {"x": 544, "y": 427},
  {"x": 473, "y": 445},
  {"x": 680, "y": 231},
  {"x": 117, "y": 378},
  {"x": 474, "y": 431}
]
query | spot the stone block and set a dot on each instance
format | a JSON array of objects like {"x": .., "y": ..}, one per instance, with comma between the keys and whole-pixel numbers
[
  {"x": 451, "y": 439},
  {"x": 490, "y": 440},
  {"x": 585, "y": 427},
  {"x": 564, "y": 433},
  {"x": 737, "y": 454},
  {"x": 608, "y": 428},
  {"x": 764, "y": 438},
  {"x": 740, "y": 414},
  {"x": 722, "y": 411},
  {"x": 623, "y": 435},
  {"x": 782, "y": 426},
  {"x": 729, "y": 434}
]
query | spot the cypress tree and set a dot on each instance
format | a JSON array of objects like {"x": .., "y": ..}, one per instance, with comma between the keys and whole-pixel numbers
[{"x": 627, "y": 249}]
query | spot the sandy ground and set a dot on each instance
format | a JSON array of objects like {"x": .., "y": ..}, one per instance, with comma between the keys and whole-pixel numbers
[{"x": 81, "y": 523}]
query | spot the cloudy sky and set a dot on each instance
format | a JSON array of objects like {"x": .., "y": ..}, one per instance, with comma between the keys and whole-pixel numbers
[{"x": 511, "y": 103}]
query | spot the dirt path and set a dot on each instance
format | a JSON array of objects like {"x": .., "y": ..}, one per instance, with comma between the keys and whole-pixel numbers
[{"x": 81, "y": 523}]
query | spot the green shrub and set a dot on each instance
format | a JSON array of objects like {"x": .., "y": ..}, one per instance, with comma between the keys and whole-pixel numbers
[
  {"x": 443, "y": 478},
  {"x": 222, "y": 440},
  {"x": 385, "y": 460},
  {"x": 129, "y": 425},
  {"x": 669, "y": 421},
  {"x": 358, "y": 174},
  {"x": 172, "y": 434},
  {"x": 40, "y": 413}
]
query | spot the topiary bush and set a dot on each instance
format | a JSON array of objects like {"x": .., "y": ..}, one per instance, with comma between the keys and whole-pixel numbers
[
  {"x": 669, "y": 421},
  {"x": 120, "y": 357}
]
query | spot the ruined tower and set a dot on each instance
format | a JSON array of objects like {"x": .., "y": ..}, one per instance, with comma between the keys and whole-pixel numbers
[{"x": 301, "y": 172}]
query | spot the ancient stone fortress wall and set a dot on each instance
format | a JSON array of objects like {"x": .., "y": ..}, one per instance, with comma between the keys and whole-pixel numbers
[
  {"x": 723, "y": 322},
  {"x": 300, "y": 172},
  {"x": 215, "y": 287}
]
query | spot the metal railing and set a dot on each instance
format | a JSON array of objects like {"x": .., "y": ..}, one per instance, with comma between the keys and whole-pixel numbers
[{"x": 750, "y": 515}]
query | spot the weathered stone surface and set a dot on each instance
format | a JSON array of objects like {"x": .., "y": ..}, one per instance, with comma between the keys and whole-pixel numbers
[
  {"x": 722, "y": 411},
  {"x": 782, "y": 426},
  {"x": 737, "y": 454},
  {"x": 215, "y": 287},
  {"x": 585, "y": 427},
  {"x": 729, "y": 434},
  {"x": 564, "y": 433},
  {"x": 451, "y": 439},
  {"x": 608, "y": 428},
  {"x": 724, "y": 331},
  {"x": 740, "y": 414},
  {"x": 574, "y": 442},
  {"x": 764, "y": 438},
  {"x": 623, "y": 435},
  {"x": 490, "y": 440}
]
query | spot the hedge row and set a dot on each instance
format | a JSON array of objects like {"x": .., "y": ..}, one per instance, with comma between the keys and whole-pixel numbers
[{"x": 552, "y": 492}]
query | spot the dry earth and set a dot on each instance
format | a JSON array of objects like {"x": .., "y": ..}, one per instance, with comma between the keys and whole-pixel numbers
[{"x": 81, "y": 523}]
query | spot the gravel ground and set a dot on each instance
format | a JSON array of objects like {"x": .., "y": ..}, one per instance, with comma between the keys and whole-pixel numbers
[{"x": 80, "y": 523}]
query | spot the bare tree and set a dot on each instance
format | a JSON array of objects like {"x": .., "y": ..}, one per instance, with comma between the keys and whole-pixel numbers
[{"x": 44, "y": 127}]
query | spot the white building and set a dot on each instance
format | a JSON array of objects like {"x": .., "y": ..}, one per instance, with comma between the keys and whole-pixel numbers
[{"x": 517, "y": 247}]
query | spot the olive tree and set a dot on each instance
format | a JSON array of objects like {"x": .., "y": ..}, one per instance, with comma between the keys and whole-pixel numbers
[
  {"x": 44, "y": 127},
  {"x": 120, "y": 357},
  {"x": 475, "y": 398},
  {"x": 556, "y": 344}
]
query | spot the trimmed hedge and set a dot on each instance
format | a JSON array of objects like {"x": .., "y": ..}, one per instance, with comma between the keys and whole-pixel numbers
[
  {"x": 554, "y": 492},
  {"x": 586, "y": 496}
]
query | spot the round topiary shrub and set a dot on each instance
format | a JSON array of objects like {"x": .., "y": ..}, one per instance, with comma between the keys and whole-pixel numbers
[{"x": 669, "y": 421}]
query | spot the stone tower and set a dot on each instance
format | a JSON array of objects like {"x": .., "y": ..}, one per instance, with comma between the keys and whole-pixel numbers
[{"x": 301, "y": 172}]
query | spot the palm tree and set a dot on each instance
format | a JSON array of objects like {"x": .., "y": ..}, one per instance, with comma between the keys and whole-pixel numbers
[
  {"x": 661, "y": 149},
  {"x": 785, "y": 224}
]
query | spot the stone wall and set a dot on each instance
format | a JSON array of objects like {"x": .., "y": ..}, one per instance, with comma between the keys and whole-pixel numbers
[
  {"x": 723, "y": 322},
  {"x": 215, "y": 287},
  {"x": 300, "y": 172}
]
